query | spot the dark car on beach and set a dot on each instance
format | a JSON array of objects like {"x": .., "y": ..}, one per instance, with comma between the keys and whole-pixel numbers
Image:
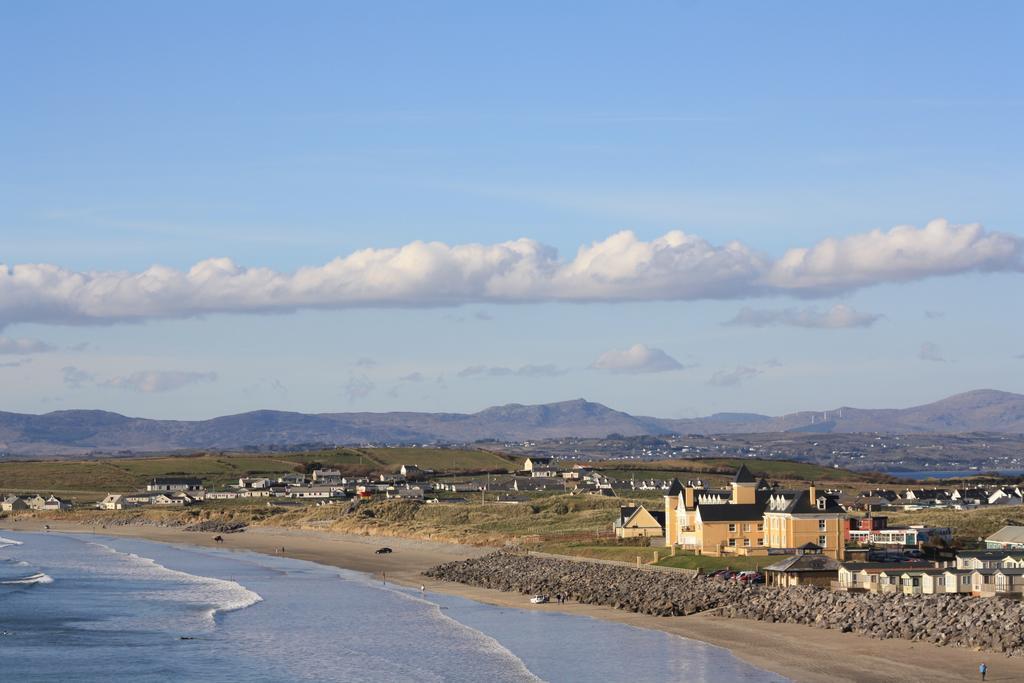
[{"x": 383, "y": 551}]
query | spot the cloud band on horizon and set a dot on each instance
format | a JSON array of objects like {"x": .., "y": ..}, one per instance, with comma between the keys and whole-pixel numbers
[{"x": 621, "y": 268}]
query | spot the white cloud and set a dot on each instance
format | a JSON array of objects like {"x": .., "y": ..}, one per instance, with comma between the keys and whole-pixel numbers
[
  {"x": 734, "y": 377},
  {"x": 839, "y": 316},
  {"x": 901, "y": 254},
  {"x": 9, "y": 345},
  {"x": 158, "y": 381},
  {"x": 637, "y": 359},
  {"x": 675, "y": 267},
  {"x": 931, "y": 352},
  {"x": 546, "y": 370}
]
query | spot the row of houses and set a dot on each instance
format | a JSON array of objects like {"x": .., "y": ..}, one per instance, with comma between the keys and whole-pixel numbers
[
  {"x": 959, "y": 498},
  {"x": 322, "y": 485},
  {"x": 981, "y": 573},
  {"x": 32, "y": 502}
]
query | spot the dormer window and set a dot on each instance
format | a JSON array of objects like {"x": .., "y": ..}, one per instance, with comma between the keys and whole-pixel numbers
[{"x": 821, "y": 503}]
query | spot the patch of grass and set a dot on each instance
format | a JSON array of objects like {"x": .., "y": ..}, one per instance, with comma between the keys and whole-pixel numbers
[
  {"x": 710, "y": 564},
  {"x": 442, "y": 460}
]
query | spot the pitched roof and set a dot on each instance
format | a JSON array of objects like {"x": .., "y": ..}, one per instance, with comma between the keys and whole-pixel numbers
[
  {"x": 676, "y": 487},
  {"x": 743, "y": 476},
  {"x": 801, "y": 503},
  {"x": 993, "y": 554},
  {"x": 729, "y": 512},
  {"x": 1008, "y": 534},
  {"x": 804, "y": 563}
]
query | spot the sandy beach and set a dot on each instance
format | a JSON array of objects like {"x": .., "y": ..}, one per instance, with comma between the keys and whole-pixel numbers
[{"x": 798, "y": 652}]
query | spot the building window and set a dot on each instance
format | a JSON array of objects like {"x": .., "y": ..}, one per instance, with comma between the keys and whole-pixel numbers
[
  {"x": 760, "y": 541},
  {"x": 746, "y": 542},
  {"x": 746, "y": 527},
  {"x": 821, "y": 525},
  {"x": 732, "y": 542},
  {"x": 732, "y": 528},
  {"x": 760, "y": 526},
  {"x": 822, "y": 541}
]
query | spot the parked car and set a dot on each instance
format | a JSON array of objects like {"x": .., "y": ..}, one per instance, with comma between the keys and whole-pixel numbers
[
  {"x": 383, "y": 551},
  {"x": 539, "y": 599}
]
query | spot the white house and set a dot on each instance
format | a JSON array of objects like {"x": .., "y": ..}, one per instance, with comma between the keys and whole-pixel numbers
[
  {"x": 55, "y": 503},
  {"x": 113, "y": 501}
]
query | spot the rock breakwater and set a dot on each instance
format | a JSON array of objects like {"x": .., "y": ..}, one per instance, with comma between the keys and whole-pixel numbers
[
  {"x": 647, "y": 592},
  {"x": 958, "y": 620},
  {"x": 993, "y": 624}
]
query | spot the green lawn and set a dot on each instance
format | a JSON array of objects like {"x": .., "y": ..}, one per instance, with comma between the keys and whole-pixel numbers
[
  {"x": 710, "y": 564},
  {"x": 624, "y": 552},
  {"x": 443, "y": 460}
]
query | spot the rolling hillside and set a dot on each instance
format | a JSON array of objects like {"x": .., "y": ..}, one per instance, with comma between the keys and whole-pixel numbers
[{"x": 76, "y": 432}]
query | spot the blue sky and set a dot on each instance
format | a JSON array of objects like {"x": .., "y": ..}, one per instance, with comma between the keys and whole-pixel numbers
[{"x": 283, "y": 136}]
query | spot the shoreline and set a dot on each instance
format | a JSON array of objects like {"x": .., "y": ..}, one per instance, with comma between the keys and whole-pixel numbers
[{"x": 801, "y": 653}]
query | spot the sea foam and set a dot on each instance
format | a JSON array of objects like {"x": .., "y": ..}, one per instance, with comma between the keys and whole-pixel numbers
[
  {"x": 217, "y": 595},
  {"x": 38, "y": 577}
]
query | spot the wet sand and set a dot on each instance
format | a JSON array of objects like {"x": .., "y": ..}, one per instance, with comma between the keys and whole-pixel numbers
[{"x": 802, "y": 653}]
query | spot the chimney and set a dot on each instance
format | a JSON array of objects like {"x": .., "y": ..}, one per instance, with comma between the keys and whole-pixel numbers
[
  {"x": 813, "y": 492},
  {"x": 688, "y": 497}
]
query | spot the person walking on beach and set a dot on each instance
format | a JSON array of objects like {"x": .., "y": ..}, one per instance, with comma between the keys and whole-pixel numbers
[{"x": 983, "y": 669}]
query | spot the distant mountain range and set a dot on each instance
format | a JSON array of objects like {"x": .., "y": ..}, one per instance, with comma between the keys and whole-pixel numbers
[{"x": 71, "y": 432}]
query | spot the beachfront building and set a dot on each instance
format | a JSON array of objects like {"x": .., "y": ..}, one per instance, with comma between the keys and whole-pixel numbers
[
  {"x": 989, "y": 559},
  {"x": 35, "y": 501},
  {"x": 639, "y": 522},
  {"x": 989, "y": 583},
  {"x": 13, "y": 504},
  {"x": 751, "y": 518},
  {"x": 1008, "y": 538},
  {"x": 113, "y": 501},
  {"x": 807, "y": 568}
]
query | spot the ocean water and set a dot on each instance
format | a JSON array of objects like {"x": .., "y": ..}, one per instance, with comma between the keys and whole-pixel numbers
[{"x": 85, "y": 608}]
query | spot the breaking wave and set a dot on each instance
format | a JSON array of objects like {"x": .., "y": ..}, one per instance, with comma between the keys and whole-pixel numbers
[
  {"x": 39, "y": 577},
  {"x": 216, "y": 595}
]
